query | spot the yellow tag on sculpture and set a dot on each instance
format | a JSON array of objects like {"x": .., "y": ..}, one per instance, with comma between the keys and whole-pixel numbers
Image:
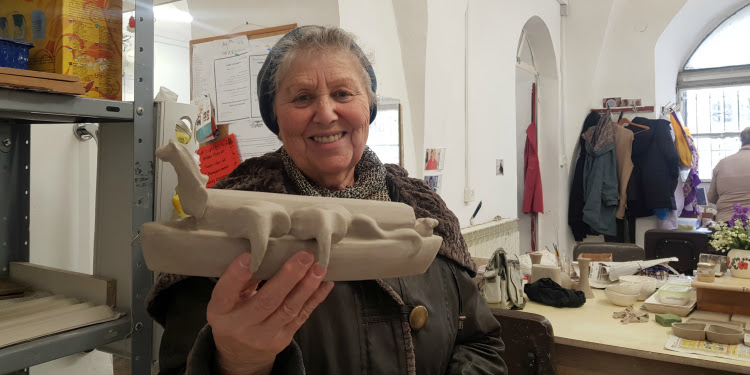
[
  {"x": 178, "y": 207},
  {"x": 182, "y": 137}
]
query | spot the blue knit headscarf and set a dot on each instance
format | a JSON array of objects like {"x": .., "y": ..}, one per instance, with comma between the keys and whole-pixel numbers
[{"x": 266, "y": 89}]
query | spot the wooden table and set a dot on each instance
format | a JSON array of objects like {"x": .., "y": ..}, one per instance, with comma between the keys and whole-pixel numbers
[{"x": 589, "y": 341}]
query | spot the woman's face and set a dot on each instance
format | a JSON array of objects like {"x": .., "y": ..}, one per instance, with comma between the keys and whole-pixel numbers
[{"x": 323, "y": 115}]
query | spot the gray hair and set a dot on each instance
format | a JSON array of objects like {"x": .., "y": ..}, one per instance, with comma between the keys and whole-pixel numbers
[
  {"x": 317, "y": 39},
  {"x": 745, "y": 136}
]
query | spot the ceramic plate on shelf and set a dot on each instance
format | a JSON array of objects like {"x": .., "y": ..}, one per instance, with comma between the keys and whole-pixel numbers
[{"x": 654, "y": 305}]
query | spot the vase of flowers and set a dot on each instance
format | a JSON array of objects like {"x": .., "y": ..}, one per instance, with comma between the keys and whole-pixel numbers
[{"x": 734, "y": 237}]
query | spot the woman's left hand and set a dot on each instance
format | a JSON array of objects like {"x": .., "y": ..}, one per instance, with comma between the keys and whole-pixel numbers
[{"x": 250, "y": 327}]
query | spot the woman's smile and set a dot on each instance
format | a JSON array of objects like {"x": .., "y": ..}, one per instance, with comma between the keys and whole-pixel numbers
[{"x": 328, "y": 139}]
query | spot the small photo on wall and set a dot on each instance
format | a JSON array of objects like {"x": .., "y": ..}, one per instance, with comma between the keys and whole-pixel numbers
[
  {"x": 499, "y": 167},
  {"x": 434, "y": 159},
  {"x": 433, "y": 182}
]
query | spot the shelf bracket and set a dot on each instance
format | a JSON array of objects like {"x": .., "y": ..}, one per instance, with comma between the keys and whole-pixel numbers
[
  {"x": 14, "y": 194},
  {"x": 144, "y": 141}
]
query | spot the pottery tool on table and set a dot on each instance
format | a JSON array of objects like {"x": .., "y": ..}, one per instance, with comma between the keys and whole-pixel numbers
[{"x": 476, "y": 211}]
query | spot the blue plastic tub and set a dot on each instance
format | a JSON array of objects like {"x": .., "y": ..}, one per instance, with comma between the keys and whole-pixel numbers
[{"x": 14, "y": 54}]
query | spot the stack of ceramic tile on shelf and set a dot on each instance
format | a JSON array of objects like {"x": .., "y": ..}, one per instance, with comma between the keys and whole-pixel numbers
[
  {"x": 11, "y": 289},
  {"x": 40, "y": 314}
]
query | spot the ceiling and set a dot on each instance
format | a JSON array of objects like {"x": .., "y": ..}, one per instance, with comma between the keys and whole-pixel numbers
[{"x": 129, "y": 5}]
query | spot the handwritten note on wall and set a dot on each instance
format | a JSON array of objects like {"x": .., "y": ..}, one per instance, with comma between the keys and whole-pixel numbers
[
  {"x": 227, "y": 71},
  {"x": 219, "y": 159}
]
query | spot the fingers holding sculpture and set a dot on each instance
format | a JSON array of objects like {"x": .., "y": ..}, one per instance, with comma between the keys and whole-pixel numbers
[
  {"x": 262, "y": 322},
  {"x": 235, "y": 284}
]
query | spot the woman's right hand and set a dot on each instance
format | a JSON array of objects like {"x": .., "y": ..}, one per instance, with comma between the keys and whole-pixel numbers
[{"x": 250, "y": 326}]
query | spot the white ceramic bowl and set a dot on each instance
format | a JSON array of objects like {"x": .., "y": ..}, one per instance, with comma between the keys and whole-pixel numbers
[
  {"x": 626, "y": 288},
  {"x": 648, "y": 285},
  {"x": 620, "y": 299}
]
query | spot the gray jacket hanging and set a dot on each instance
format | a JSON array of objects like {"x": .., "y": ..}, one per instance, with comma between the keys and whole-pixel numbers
[{"x": 600, "y": 186}]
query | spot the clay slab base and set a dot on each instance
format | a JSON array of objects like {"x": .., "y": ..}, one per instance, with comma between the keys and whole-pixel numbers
[{"x": 167, "y": 248}]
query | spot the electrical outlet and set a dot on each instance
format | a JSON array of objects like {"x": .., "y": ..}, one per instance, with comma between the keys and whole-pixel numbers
[{"x": 468, "y": 195}]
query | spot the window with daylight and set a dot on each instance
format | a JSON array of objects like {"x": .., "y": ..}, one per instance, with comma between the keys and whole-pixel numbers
[
  {"x": 714, "y": 87},
  {"x": 726, "y": 45},
  {"x": 715, "y": 117}
]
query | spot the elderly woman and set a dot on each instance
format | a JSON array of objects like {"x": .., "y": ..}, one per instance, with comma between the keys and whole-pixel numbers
[
  {"x": 317, "y": 92},
  {"x": 730, "y": 184}
]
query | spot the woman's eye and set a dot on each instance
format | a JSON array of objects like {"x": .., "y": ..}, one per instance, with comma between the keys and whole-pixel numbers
[
  {"x": 341, "y": 95},
  {"x": 303, "y": 98}
]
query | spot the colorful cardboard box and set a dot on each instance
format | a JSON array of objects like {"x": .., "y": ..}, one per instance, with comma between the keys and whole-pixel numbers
[{"x": 76, "y": 37}]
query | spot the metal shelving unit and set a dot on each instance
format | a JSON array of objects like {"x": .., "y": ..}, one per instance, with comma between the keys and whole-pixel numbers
[
  {"x": 125, "y": 200},
  {"x": 39, "y": 107},
  {"x": 21, "y": 356}
]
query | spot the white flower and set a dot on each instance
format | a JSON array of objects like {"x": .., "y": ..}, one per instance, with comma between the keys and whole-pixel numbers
[{"x": 726, "y": 238}]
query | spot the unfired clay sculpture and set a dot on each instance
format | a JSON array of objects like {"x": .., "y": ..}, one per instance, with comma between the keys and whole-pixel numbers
[
  {"x": 541, "y": 271},
  {"x": 584, "y": 265},
  {"x": 689, "y": 331},
  {"x": 536, "y": 257},
  {"x": 355, "y": 239},
  {"x": 566, "y": 282},
  {"x": 724, "y": 335}
]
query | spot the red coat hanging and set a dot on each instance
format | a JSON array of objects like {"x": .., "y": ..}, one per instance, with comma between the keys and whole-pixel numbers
[{"x": 532, "y": 188}]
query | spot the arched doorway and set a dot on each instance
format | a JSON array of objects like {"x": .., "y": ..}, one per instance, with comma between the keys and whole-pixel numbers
[{"x": 536, "y": 66}]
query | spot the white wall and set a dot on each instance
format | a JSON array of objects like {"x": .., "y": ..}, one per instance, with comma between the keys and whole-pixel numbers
[
  {"x": 219, "y": 17},
  {"x": 444, "y": 99},
  {"x": 607, "y": 54},
  {"x": 62, "y": 194},
  {"x": 374, "y": 24},
  {"x": 610, "y": 51},
  {"x": 411, "y": 21},
  {"x": 63, "y": 184},
  {"x": 171, "y": 50},
  {"x": 494, "y": 32}
]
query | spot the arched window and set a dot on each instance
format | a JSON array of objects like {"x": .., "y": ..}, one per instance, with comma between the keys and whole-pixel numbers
[
  {"x": 723, "y": 46},
  {"x": 714, "y": 86}
]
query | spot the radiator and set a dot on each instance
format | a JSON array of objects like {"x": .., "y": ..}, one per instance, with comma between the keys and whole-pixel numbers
[{"x": 484, "y": 239}]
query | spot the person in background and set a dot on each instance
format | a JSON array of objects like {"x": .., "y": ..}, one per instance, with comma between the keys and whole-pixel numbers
[
  {"x": 730, "y": 184},
  {"x": 317, "y": 92}
]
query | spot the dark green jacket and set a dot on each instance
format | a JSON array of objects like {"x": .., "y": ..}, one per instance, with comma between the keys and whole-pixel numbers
[{"x": 363, "y": 326}]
